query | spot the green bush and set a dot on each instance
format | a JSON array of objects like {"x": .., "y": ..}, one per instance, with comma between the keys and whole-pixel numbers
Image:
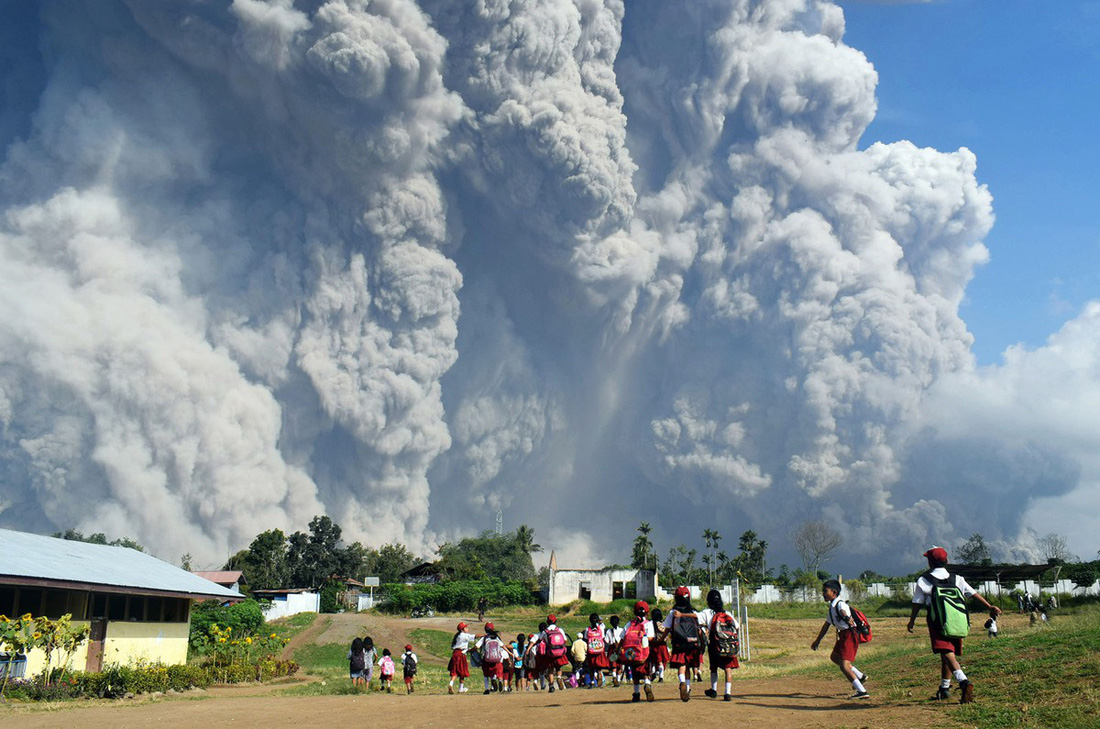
[
  {"x": 457, "y": 596},
  {"x": 243, "y": 617}
]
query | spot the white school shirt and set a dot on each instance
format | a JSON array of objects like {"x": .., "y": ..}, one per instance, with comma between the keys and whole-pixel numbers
[
  {"x": 922, "y": 593},
  {"x": 839, "y": 614},
  {"x": 462, "y": 642},
  {"x": 409, "y": 653},
  {"x": 613, "y": 636}
]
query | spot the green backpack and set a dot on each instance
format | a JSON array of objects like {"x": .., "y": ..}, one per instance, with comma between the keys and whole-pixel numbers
[{"x": 948, "y": 611}]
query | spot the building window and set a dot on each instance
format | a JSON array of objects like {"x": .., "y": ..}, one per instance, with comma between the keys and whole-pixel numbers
[
  {"x": 97, "y": 606},
  {"x": 617, "y": 590},
  {"x": 116, "y": 607},
  {"x": 30, "y": 601},
  {"x": 586, "y": 591},
  {"x": 153, "y": 608},
  {"x": 57, "y": 603},
  {"x": 630, "y": 591},
  {"x": 136, "y": 610},
  {"x": 7, "y": 601}
]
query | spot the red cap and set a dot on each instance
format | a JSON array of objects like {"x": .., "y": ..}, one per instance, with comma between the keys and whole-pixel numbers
[
  {"x": 641, "y": 605},
  {"x": 551, "y": 618},
  {"x": 462, "y": 626},
  {"x": 682, "y": 591},
  {"x": 408, "y": 647},
  {"x": 489, "y": 626},
  {"x": 937, "y": 554}
]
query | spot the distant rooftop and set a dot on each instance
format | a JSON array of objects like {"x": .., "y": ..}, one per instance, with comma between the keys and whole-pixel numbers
[
  {"x": 223, "y": 577},
  {"x": 35, "y": 560}
]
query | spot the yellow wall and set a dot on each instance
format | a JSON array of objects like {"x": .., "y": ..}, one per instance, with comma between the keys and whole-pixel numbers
[{"x": 126, "y": 643}]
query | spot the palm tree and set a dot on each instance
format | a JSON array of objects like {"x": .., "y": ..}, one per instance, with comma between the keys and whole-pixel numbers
[
  {"x": 525, "y": 537},
  {"x": 643, "y": 547},
  {"x": 711, "y": 537}
]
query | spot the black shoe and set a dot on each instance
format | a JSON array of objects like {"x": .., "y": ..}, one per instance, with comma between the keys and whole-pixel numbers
[
  {"x": 636, "y": 698},
  {"x": 942, "y": 694},
  {"x": 967, "y": 690},
  {"x": 727, "y": 697},
  {"x": 486, "y": 692},
  {"x": 551, "y": 688},
  {"x": 711, "y": 693},
  {"x": 865, "y": 679},
  {"x": 860, "y": 695}
]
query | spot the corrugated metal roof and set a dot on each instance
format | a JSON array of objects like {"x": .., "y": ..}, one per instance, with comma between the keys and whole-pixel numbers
[{"x": 33, "y": 556}]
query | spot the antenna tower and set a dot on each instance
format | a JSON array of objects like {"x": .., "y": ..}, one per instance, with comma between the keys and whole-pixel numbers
[{"x": 500, "y": 522}]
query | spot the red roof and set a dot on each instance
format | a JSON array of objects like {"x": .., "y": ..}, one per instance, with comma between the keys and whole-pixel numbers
[{"x": 228, "y": 577}]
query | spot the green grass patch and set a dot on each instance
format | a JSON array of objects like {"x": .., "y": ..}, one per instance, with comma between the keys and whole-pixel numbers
[
  {"x": 286, "y": 628},
  {"x": 431, "y": 642},
  {"x": 1029, "y": 677}
]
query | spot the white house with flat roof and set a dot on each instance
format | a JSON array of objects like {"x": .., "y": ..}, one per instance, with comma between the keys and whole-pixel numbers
[
  {"x": 137, "y": 607},
  {"x": 599, "y": 585}
]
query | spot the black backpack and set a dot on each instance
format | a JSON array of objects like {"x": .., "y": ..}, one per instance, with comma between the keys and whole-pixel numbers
[
  {"x": 358, "y": 661},
  {"x": 409, "y": 664},
  {"x": 686, "y": 636}
]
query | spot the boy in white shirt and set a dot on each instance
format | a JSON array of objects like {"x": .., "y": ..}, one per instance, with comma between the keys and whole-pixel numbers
[
  {"x": 847, "y": 643},
  {"x": 948, "y": 648}
]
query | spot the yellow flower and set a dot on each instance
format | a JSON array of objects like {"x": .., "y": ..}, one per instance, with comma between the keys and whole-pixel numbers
[
  {"x": 274, "y": 636},
  {"x": 248, "y": 640},
  {"x": 229, "y": 629},
  {"x": 221, "y": 640},
  {"x": 36, "y": 636},
  {"x": 27, "y": 616}
]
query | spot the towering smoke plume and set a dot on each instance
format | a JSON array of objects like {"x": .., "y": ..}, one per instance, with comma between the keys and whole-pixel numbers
[{"x": 407, "y": 263}]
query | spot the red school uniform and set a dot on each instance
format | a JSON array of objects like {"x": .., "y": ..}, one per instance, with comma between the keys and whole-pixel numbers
[{"x": 689, "y": 658}]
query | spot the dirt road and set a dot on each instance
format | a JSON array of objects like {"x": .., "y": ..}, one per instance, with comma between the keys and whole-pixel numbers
[{"x": 765, "y": 702}]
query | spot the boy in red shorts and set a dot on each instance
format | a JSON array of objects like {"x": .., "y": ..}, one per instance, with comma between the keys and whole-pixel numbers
[
  {"x": 847, "y": 642},
  {"x": 949, "y": 647}
]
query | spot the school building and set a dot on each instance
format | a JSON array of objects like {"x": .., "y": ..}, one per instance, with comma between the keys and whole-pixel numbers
[
  {"x": 137, "y": 607},
  {"x": 567, "y": 585}
]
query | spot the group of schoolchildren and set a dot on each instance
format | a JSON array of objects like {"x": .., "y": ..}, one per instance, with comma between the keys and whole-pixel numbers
[
  {"x": 639, "y": 652},
  {"x": 361, "y": 662}
]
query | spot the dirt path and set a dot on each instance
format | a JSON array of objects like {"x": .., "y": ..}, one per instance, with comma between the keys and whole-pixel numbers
[{"x": 766, "y": 702}]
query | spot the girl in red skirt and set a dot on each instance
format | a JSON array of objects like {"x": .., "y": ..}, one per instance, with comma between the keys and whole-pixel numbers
[
  {"x": 458, "y": 665},
  {"x": 556, "y": 643},
  {"x": 492, "y": 659},
  {"x": 682, "y": 624},
  {"x": 596, "y": 662},
  {"x": 634, "y": 649},
  {"x": 658, "y": 649},
  {"x": 723, "y": 643}
]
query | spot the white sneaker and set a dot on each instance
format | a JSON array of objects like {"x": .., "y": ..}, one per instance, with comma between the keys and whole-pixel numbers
[{"x": 462, "y": 689}]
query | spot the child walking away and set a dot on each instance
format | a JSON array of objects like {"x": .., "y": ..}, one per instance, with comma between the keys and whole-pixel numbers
[
  {"x": 658, "y": 649},
  {"x": 536, "y": 660},
  {"x": 578, "y": 654},
  {"x": 687, "y": 639},
  {"x": 409, "y": 664},
  {"x": 357, "y": 663},
  {"x": 369, "y": 657},
  {"x": 612, "y": 637},
  {"x": 634, "y": 649},
  {"x": 388, "y": 668},
  {"x": 492, "y": 659},
  {"x": 596, "y": 661},
  {"x": 944, "y": 596},
  {"x": 991, "y": 624},
  {"x": 847, "y": 638},
  {"x": 458, "y": 666},
  {"x": 723, "y": 643},
  {"x": 519, "y": 662},
  {"x": 557, "y": 649}
]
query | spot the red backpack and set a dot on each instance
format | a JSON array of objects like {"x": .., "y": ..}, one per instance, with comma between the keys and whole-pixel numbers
[
  {"x": 557, "y": 642},
  {"x": 725, "y": 639},
  {"x": 861, "y": 626},
  {"x": 633, "y": 650},
  {"x": 594, "y": 638}
]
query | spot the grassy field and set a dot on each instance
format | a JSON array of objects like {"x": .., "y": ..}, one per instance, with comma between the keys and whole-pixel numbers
[{"x": 1028, "y": 677}]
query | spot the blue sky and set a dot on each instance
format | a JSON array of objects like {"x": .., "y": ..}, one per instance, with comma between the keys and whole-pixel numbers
[{"x": 1018, "y": 83}]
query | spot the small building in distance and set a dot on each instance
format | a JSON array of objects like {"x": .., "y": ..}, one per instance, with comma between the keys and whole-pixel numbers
[
  {"x": 289, "y": 602},
  {"x": 602, "y": 585},
  {"x": 137, "y": 607},
  {"x": 229, "y": 579}
]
